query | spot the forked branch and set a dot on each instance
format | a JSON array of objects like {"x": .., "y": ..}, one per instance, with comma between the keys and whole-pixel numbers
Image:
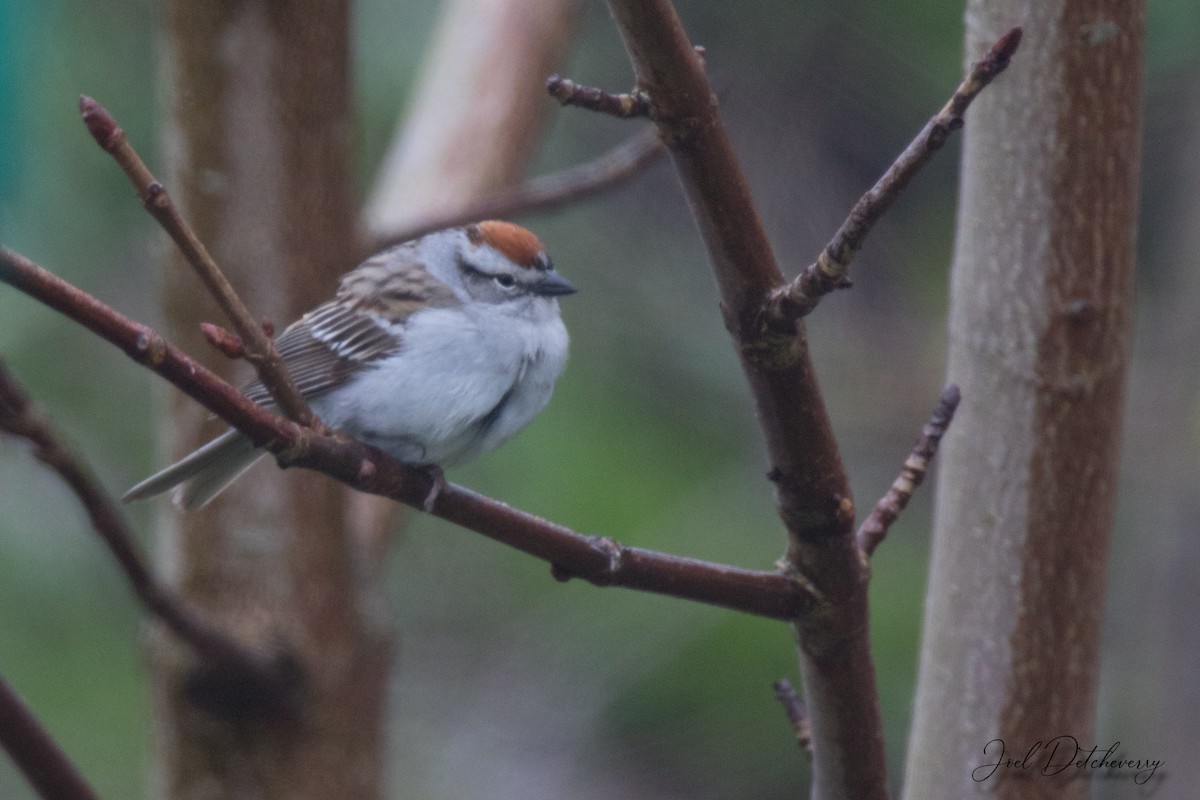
[
  {"x": 829, "y": 272},
  {"x": 259, "y": 350},
  {"x": 764, "y": 320}
]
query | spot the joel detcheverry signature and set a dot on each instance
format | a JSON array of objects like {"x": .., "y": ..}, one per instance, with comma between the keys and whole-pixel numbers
[{"x": 1063, "y": 756}]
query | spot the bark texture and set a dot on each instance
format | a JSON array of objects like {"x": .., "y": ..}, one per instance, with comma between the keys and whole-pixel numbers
[
  {"x": 257, "y": 147},
  {"x": 1041, "y": 301}
]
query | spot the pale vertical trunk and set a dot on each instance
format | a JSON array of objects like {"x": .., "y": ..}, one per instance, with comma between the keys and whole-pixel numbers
[
  {"x": 1040, "y": 313},
  {"x": 256, "y": 138},
  {"x": 478, "y": 112}
]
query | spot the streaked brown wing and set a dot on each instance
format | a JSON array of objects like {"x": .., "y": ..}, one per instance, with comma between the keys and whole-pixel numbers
[
  {"x": 327, "y": 346},
  {"x": 362, "y": 325}
]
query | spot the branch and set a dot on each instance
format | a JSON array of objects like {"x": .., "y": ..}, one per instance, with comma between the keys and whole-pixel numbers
[
  {"x": 806, "y": 465},
  {"x": 547, "y": 192},
  {"x": 598, "y": 560},
  {"x": 219, "y": 653},
  {"x": 797, "y": 714},
  {"x": 789, "y": 303},
  {"x": 623, "y": 106},
  {"x": 259, "y": 350},
  {"x": 812, "y": 491},
  {"x": 875, "y": 527},
  {"x": 36, "y": 754}
]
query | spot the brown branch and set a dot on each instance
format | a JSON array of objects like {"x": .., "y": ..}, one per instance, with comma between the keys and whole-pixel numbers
[
  {"x": 875, "y": 527},
  {"x": 797, "y": 299},
  {"x": 624, "y": 106},
  {"x": 812, "y": 491},
  {"x": 797, "y": 714},
  {"x": 791, "y": 411},
  {"x": 547, "y": 192},
  {"x": 598, "y": 560},
  {"x": 39, "y": 758},
  {"x": 218, "y": 652},
  {"x": 260, "y": 351}
]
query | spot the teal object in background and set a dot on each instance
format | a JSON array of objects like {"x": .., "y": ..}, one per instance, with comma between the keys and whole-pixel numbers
[{"x": 13, "y": 19}]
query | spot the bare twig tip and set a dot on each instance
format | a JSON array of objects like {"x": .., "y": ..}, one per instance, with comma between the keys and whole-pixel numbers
[
  {"x": 875, "y": 528},
  {"x": 951, "y": 396},
  {"x": 996, "y": 60},
  {"x": 1003, "y": 50},
  {"x": 229, "y": 345},
  {"x": 797, "y": 713},
  {"x": 558, "y": 85},
  {"x": 100, "y": 124}
]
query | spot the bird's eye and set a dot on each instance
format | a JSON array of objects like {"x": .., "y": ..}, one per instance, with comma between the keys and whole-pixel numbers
[{"x": 505, "y": 280}]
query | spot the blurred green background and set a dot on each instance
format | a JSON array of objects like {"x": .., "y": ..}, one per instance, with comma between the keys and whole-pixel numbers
[{"x": 522, "y": 687}]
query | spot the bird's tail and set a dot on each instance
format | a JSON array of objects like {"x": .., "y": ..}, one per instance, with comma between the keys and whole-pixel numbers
[{"x": 202, "y": 475}]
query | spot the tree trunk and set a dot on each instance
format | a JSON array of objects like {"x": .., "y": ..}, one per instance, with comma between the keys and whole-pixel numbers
[
  {"x": 1040, "y": 313},
  {"x": 257, "y": 138}
]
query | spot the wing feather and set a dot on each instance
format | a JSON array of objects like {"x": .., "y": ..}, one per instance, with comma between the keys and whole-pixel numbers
[{"x": 362, "y": 325}]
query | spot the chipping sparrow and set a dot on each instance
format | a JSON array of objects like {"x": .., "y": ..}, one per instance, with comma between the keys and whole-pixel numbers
[{"x": 435, "y": 351}]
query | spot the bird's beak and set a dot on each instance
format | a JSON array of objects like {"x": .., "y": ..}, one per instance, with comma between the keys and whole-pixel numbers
[{"x": 553, "y": 285}]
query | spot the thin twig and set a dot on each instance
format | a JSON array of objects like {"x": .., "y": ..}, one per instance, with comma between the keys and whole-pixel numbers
[
  {"x": 875, "y": 527},
  {"x": 31, "y": 747},
  {"x": 791, "y": 302},
  {"x": 797, "y": 714},
  {"x": 546, "y": 192},
  {"x": 598, "y": 560},
  {"x": 624, "y": 106},
  {"x": 216, "y": 650},
  {"x": 260, "y": 351}
]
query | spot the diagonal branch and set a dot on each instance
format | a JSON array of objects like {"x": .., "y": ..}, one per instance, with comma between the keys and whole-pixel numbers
[
  {"x": 624, "y": 106},
  {"x": 31, "y": 747},
  {"x": 599, "y": 560},
  {"x": 797, "y": 714},
  {"x": 545, "y": 192},
  {"x": 216, "y": 650},
  {"x": 789, "y": 303},
  {"x": 875, "y": 527},
  {"x": 259, "y": 350}
]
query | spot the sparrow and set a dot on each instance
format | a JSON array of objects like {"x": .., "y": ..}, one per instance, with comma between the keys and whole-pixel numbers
[{"x": 435, "y": 351}]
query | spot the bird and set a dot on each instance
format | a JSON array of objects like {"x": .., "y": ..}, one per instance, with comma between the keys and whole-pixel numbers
[{"x": 435, "y": 351}]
